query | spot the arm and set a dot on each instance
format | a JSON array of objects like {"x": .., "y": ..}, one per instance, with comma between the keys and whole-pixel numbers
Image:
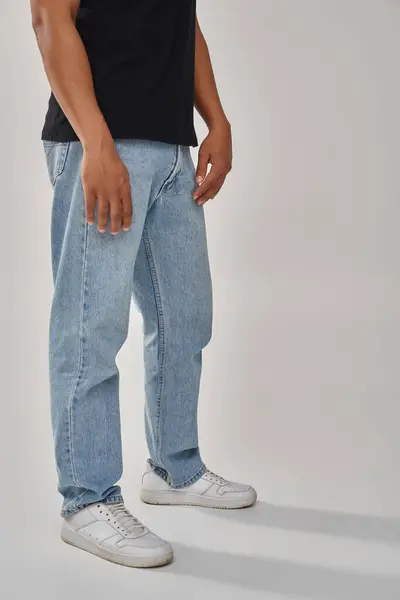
[
  {"x": 105, "y": 178},
  {"x": 217, "y": 147}
]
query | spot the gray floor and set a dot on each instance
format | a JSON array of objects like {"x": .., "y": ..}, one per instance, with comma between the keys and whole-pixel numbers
[{"x": 267, "y": 552}]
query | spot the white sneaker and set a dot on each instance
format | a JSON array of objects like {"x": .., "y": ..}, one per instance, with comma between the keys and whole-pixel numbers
[
  {"x": 209, "y": 491},
  {"x": 113, "y": 533}
]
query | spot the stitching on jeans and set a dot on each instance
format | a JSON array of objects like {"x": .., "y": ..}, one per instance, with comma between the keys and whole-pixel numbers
[
  {"x": 77, "y": 505},
  {"x": 64, "y": 147},
  {"x": 63, "y": 159},
  {"x": 80, "y": 358},
  {"x": 161, "y": 339},
  {"x": 160, "y": 472},
  {"x": 172, "y": 175}
]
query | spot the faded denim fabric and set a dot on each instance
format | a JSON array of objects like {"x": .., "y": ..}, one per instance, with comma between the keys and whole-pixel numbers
[{"x": 163, "y": 261}]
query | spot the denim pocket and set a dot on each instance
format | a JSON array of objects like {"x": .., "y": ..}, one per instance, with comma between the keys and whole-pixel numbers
[{"x": 56, "y": 157}]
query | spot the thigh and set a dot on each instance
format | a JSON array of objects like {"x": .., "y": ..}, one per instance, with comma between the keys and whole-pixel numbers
[
  {"x": 172, "y": 274},
  {"x": 92, "y": 270}
]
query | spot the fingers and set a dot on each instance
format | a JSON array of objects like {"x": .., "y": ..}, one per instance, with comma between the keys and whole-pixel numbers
[
  {"x": 211, "y": 185},
  {"x": 126, "y": 209},
  {"x": 107, "y": 192},
  {"x": 212, "y": 191},
  {"x": 90, "y": 205},
  {"x": 102, "y": 214},
  {"x": 202, "y": 166},
  {"x": 118, "y": 211},
  {"x": 115, "y": 215}
]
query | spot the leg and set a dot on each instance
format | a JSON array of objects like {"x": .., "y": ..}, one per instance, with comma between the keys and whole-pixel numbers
[
  {"x": 172, "y": 289},
  {"x": 89, "y": 324}
]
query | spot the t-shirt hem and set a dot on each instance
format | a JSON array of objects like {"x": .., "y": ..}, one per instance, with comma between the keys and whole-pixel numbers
[{"x": 68, "y": 136}]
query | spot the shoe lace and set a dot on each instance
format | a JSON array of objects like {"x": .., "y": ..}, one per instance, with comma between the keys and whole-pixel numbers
[
  {"x": 217, "y": 478},
  {"x": 126, "y": 521}
]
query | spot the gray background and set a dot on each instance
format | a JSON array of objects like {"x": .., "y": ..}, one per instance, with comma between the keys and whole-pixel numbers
[{"x": 300, "y": 395}]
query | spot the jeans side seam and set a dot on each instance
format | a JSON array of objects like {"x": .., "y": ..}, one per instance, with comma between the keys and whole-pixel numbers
[
  {"x": 80, "y": 357},
  {"x": 161, "y": 337},
  {"x": 160, "y": 472},
  {"x": 76, "y": 506}
]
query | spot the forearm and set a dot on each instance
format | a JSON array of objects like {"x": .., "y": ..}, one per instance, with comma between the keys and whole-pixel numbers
[
  {"x": 68, "y": 70},
  {"x": 207, "y": 100}
]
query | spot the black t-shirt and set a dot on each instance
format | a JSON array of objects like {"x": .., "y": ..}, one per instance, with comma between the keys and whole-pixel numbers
[{"x": 141, "y": 53}]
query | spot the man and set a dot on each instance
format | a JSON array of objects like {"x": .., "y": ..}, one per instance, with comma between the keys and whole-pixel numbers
[{"x": 125, "y": 75}]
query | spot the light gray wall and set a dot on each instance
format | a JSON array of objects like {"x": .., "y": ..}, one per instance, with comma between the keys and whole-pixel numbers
[{"x": 301, "y": 386}]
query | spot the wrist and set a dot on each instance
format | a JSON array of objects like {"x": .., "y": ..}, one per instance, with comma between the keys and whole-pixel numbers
[
  {"x": 220, "y": 124},
  {"x": 97, "y": 139}
]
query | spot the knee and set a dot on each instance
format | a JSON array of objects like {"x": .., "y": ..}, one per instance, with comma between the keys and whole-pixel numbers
[
  {"x": 195, "y": 330},
  {"x": 205, "y": 328}
]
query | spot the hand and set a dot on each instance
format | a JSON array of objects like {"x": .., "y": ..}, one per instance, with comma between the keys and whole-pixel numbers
[
  {"x": 217, "y": 151},
  {"x": 106, "y": 183}
]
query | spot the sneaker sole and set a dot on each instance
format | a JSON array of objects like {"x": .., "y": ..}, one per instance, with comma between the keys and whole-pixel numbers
[
  {"x": 175, "y": 499},
  {"x": 74, "y": 538}
]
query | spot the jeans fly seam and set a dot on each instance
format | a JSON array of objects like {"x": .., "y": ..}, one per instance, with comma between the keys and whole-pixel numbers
[
  {"x": 161, "y": 339},
  {"x": 80, "y": 357},
  {"x": 173, "y": 173}
]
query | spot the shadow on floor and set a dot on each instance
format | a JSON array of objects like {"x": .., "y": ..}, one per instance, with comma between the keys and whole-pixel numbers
[
  {"x": 282, "y": 577},
  {"x": 346, "y": 525}
]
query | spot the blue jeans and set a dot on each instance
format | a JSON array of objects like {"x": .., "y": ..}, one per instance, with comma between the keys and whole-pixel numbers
[{"x": 163, "y": 262}]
